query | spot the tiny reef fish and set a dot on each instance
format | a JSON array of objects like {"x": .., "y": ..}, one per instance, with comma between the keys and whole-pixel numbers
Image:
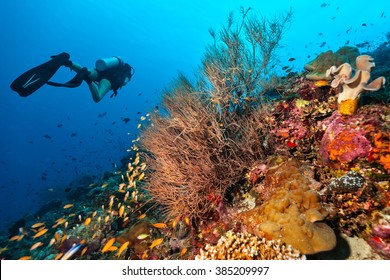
[
  {"x": 156, "y": 243},
  {"x": 40, "y": 233},
  {"x": 108, "y": 245}
]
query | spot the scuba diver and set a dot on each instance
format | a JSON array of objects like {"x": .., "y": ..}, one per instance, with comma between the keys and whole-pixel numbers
[{"x": 110, "y": 74}]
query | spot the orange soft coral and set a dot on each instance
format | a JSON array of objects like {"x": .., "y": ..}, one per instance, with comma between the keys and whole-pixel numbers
[{"x": 381, "y": 150}]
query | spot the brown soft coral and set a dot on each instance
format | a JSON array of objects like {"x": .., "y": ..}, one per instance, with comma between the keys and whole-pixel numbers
[{"x": 292, "y": 213}]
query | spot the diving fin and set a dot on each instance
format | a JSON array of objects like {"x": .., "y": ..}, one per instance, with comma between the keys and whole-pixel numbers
[{"x": 33, "y": 79}]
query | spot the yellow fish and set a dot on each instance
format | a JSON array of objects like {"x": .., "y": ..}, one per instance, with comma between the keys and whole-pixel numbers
[
  {"x": 40, "y": 233},
  {"x": 321, "y": 83},
  {"x": 36, "y": 245},
  {"x": 68, "y": 206},
  {"x": 108, "y": 245},
  {"x": 121, "y": 210},
  {"x": 142, "y": 118},
  {"x": 37, "y": 225},
  {"x": 141, "y": 176},
  {"x": 25, "y": 258},
  {"x": 122, "y": 248},
  {"x": 142, "y": 236},
  {"x": 159, "y": 225},
  {"x": 156, "y": 243}
]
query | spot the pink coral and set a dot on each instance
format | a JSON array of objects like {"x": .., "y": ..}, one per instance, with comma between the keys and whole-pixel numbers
[{"x": 343, "y": 142}]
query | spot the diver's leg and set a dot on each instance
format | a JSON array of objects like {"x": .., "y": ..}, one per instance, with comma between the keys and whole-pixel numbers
[
  {"x": 98, "y": 92},
  {"x": 93, "y": 74}
]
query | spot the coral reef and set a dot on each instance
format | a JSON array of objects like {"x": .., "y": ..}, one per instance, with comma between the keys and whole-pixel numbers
[
  {"x": 292, "y": 211},
  {"x": 244, "y": 246},
  {"x": 352, "y": 87},
  {"x": 237, "y": 165},
  {"x": 318, "y": 66}
]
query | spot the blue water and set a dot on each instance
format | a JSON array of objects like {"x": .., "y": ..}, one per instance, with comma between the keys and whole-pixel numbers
[{"x": 159, "y": 39}]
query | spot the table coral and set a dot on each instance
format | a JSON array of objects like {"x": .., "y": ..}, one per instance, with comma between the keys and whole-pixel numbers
[
  {"x": 244, "y": 246},
  {"x": 292, "y": 211},
  {"x": 318, "y": 66}
]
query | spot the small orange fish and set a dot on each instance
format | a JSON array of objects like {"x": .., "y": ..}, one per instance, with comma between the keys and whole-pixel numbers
[
  {"x": 57, "y": 236},
  {"x": 87, "y": 221},
  {"x": 25, "y": 258},
  {"x": 58, "y": 256},
  {"x": 121, "y": 210},
  {"x": 36, "y": 245},
  {"x": 63, "y": 238},
  {"x": 183, "y": 251},
  {"x": 84, "y": 250},
  {"x": 68, "y": 206},
  {"x": 156, "y": 243},
  {"x": 37, "y": 225},
  {"x": 159, "y": 225},
  {"x": 108, "y": 245},
  {"x": 113, "y": 248},
  {"x": 40, "y": 233},
  {"x": 145, "y": 255},
  {"x": 122, "y": 248},
  {"x": 15, "y": 238},
  {"x": 141, "y": 216}
]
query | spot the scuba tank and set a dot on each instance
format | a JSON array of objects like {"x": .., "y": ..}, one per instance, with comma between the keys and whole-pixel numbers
[{"x": 108, "y": 63}]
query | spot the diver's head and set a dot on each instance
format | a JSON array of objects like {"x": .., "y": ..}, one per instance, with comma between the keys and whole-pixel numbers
[{"x": 128, "y": 72}]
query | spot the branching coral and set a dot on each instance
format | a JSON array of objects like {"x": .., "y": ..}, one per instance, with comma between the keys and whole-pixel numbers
[
  {"x": 237, "y": 67},
  {"x": 244, "y": 246},
  {"x": 195, "y": 156},
  {"x": 352, "y": 87}
]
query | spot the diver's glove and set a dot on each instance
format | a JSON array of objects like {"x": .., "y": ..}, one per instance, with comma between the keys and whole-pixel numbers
[{"x": 63, "y": 58}]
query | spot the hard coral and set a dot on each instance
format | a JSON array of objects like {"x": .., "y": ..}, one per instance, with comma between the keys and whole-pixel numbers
[
  {"x": 352, "y": 87},
  {"x": 292, "y": 211},
  {"x": 244, "y": 246},
  {"x": 317, "y": 67}
]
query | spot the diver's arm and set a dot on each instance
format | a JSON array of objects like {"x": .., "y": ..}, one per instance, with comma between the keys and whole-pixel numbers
[{"x": 99, "y": 92}]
